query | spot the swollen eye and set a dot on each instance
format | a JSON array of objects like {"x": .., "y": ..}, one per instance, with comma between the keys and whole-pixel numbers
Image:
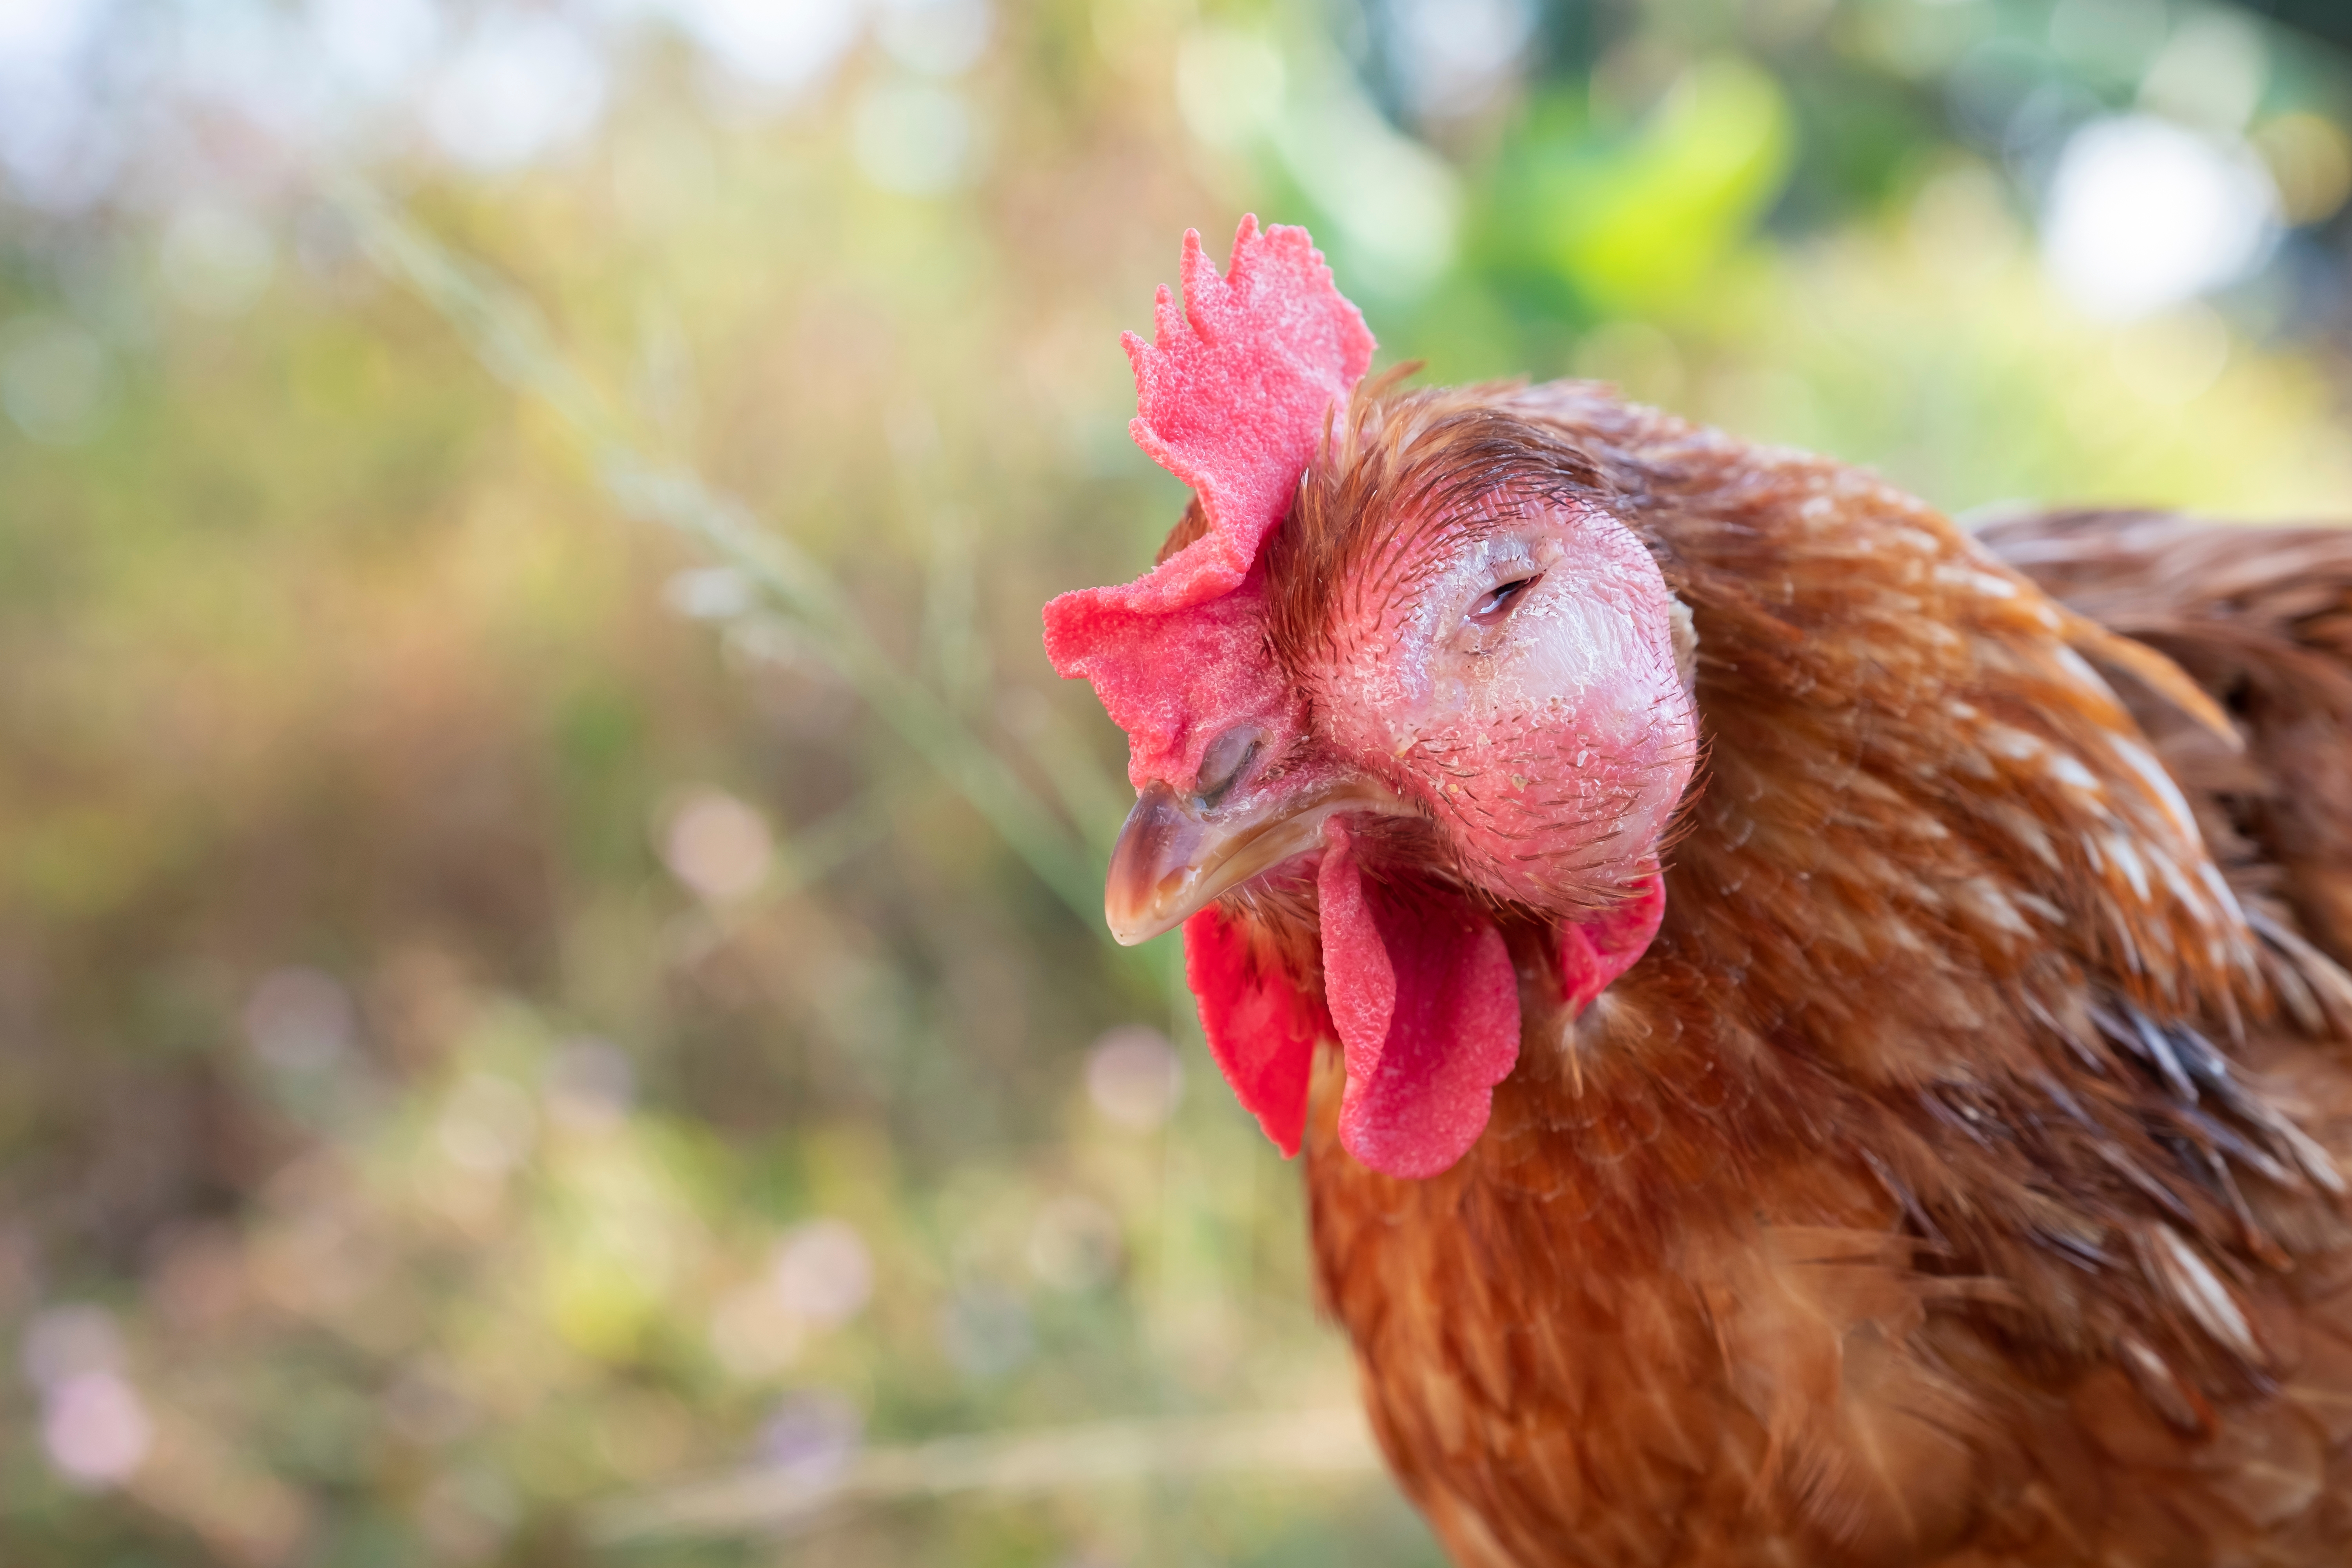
[
  {"x": 1498, "y": 601},
  {"x": 1223, "y": 764}
]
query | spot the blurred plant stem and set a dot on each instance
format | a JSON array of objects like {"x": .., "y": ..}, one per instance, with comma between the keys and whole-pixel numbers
[
  {"x": 506, "y": 335},
  {"x": 774, "y": 1498}
]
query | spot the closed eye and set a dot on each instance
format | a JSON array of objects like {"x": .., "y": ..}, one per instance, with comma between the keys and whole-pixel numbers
[{"x": 1499, "y": 600}]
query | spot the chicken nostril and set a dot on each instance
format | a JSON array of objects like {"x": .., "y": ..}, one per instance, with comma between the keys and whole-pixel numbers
[{"x": 1223, "y": 764}]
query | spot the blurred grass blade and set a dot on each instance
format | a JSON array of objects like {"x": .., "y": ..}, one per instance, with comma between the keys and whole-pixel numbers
[
  {"x": 507, "y": 336},
  {"x": 770, "y": 1499}
]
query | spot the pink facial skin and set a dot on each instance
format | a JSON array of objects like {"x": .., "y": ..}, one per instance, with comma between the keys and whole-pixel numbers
[{"x": 1516, "y": 675}]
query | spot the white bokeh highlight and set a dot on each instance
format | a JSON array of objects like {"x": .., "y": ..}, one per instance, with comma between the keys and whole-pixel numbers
[
  {"x": 2142, "y": 214},
  {"x": 824, "y": 1275},
  {"x": 522, "y": 84},
  {"x": 1134, "y": 1077},
  {"x": 718, "y": 845},
  {"x": 785, "y": 47},
  {"x": 1452, "y": 56}
]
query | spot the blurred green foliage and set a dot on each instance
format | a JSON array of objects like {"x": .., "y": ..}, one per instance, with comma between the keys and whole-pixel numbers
[{"x": 545, "y": 932}]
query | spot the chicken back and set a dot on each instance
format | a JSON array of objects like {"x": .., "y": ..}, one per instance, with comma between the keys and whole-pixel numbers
[{"x": 1818, "y": 1039}]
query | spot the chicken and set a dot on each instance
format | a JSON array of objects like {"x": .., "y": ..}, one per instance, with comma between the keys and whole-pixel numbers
[{"x": 1817, "y": 1039}]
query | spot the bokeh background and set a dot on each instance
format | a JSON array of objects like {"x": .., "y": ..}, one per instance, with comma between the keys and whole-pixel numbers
[{"x": 552, "y": 1003}]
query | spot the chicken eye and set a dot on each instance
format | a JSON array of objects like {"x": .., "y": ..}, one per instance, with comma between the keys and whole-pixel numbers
[
  {"x": 1498, "y": 601},
  {"x": 1223, "y": 764}
]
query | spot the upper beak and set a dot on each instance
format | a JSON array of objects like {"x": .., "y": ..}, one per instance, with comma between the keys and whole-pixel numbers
[{"x": 1174, "y": 860}]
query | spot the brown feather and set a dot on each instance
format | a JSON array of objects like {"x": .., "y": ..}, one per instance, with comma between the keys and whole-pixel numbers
[
  {"x": 1954, "y": 1181},
  {"x": 2262, "y": 617}
]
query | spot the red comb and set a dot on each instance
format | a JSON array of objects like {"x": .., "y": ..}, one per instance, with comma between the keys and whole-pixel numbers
[{"x": 1232, "y": 395}]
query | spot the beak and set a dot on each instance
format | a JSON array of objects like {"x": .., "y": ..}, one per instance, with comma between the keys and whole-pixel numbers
[{"x": 1172, "y": 861}]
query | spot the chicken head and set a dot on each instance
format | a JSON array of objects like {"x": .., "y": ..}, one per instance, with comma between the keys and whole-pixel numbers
[{"x": 1439, "y": 695}]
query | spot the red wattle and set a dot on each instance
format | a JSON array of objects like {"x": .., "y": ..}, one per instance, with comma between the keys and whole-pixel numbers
[
  {"x": 1422, "y": 994},
  {"x": 1262, "y": 1028},
  {"x": 1600, "y": 950}
]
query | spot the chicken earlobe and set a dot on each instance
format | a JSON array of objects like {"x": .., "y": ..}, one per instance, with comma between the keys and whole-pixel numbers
[{"x": 1594, "y": 952}]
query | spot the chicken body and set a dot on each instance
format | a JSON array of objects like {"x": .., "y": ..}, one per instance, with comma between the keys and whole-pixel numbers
[{"x": 1955, "y": 1179}]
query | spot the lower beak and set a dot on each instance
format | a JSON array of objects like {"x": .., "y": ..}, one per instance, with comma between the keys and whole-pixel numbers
[{"x": 1172, "y": 861}]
